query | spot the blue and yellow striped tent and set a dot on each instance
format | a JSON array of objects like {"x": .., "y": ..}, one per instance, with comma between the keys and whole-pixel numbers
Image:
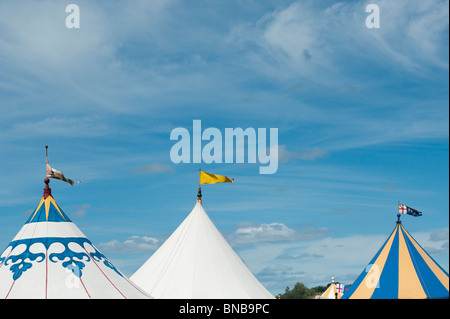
[{"x": 401, "y": 269}]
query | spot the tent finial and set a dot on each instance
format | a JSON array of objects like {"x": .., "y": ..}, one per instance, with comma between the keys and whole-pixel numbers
[
  {"x": 199, "y": 194},
  {"x": 47, "y": 189},
  {"x": 398, "y": 219}
]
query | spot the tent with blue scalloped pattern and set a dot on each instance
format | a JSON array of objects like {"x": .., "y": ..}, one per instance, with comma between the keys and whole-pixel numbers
[{"x": 51, "y": 258}]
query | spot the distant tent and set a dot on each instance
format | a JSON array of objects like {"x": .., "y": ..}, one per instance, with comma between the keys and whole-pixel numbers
[
  {"x": 401, "y": 269},
  {"x": 51, "y": 258},
  {"x": 334, "y": 291},
  {"x": 197, "y": 262}
]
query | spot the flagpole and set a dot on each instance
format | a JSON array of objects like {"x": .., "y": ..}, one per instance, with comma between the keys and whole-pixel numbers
[
  {"x": 47, "y": 189},
  {"x": 199, "y": 194}
]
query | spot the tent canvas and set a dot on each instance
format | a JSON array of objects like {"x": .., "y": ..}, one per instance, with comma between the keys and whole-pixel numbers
[{"x": 197, "y": 262}]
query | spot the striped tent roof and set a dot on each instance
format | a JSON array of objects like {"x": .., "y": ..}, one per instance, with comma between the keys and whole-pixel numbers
[
  {"x": 401, "y": 269},
  {"x": 331, "y": 292},
  {"x": 51, "y": 258}
]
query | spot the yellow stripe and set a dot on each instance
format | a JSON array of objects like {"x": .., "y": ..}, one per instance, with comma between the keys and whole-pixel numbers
[
  {"x": 328, "y": 292},
  {"x": 409, "y": 286},
  {"x": 443, "y": 278},
  {"x": 367, "y": 286},
  {"x": 47, "y": 207}
]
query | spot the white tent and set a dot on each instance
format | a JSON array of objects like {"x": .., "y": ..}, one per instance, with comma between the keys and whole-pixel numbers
[
  {"x": 51, "y": 258},
  {"x": 196, "y": 262}
]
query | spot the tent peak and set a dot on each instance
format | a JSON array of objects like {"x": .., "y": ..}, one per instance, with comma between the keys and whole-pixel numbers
[
  {"x": 199, "y": 194},
  {"x": 47, "y": 189}
]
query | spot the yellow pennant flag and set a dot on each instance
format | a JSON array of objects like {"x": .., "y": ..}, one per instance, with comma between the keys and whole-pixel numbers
[{"x": 206, "y": 178}]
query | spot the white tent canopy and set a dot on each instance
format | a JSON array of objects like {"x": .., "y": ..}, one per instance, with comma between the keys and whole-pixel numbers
[
  {"x": 51, "y": 258},
  {"x": 196, "y": 262}
]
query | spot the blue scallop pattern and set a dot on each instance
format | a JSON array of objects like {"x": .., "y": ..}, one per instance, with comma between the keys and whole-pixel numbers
[{"x": 76, "y": 262}]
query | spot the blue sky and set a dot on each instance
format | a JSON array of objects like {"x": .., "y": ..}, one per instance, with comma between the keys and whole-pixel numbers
[{"x": 362, "y": 118}]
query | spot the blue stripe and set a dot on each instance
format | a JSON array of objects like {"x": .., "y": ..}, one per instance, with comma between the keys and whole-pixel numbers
[
  {"x": 430, "y": 283},
  {"x": 53, "y": 215},
  {"x": 33, "y": 216},
  {"x": 388, "y": 284},
  {"x": 361, "y": 277}
]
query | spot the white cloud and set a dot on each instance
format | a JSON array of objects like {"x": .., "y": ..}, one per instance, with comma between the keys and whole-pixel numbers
[
  {"x": 273, "y": 232},
  {"x": 36, "y": 38},
  {"x": 133, "y": 244},
  {"x": 79, "y": 70},
  {"x": 412, "y": 33},
  {"x": 440, "y": 234}
]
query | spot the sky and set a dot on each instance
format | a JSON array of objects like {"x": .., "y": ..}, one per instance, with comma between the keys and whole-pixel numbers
[{"x": 362, "y": 119}]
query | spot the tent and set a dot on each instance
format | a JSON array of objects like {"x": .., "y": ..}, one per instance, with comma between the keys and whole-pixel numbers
[
  {"x": 334, "y": 291},
  {"x": 401, "y": 269},
  {"x": 51, "y": 258},
  {"x": 196, "y": 262}
]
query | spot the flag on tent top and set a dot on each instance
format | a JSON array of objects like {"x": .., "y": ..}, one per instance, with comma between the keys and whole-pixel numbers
[
  {"x": 53, "y": 173},
  {"x": 340, "y": 288},
  {"x": 206, "y": 178},
  {"x": 403, "y": 209}
]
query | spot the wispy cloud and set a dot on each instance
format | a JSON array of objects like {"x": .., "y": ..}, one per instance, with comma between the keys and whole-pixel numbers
[
  {"x": 412, "y": 34},
  {"x": 72, "y": 127},
  {"x": 307, "y": 154},
  {"x": 299, "y": 257},
  {"x": 132, "y": 245},
  {"x": 440, "y": 234},
  {"x": 291, "y": 38},
  {"x": 273, "y": 232},
  {"x": 154, "y": 168}
]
